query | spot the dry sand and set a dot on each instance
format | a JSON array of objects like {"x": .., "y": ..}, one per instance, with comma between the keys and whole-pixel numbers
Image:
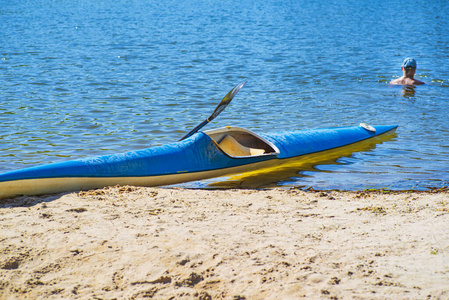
[{"x": 133, "y": 243}]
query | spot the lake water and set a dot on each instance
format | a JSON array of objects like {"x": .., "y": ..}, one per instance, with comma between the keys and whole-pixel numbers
[{"x": 85, "y": 78}]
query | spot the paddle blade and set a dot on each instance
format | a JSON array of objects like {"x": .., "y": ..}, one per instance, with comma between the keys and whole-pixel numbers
[
  {"x": 221, "y": 106},
  {"x": 226, "y": 100}
]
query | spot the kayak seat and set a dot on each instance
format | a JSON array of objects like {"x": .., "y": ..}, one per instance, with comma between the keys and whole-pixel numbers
[{"x": 233, "y": 148}]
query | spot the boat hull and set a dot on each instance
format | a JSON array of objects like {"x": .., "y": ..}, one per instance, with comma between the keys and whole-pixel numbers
[{"x": 199, "y": 157}]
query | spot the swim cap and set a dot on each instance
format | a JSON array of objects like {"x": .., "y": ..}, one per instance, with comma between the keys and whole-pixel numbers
[{"x": 409, "y": 63}]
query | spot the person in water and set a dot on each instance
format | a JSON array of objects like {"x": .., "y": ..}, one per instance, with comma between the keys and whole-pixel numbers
[{"x": 408, "y": 68}]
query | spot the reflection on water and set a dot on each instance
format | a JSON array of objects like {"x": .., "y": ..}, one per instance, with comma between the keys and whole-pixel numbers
[
  {"x": 281, "y": 170},
  {"x": 408, "y": 91}
]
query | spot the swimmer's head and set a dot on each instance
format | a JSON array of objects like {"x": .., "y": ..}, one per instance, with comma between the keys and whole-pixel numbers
[{"x": 409, "y": 63}]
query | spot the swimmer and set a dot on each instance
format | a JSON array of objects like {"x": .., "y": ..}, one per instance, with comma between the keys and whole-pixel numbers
[{"x": 408, "y": 68}]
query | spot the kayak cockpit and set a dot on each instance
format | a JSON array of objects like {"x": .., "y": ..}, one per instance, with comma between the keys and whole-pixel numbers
[{"x": 239, "y": 142}]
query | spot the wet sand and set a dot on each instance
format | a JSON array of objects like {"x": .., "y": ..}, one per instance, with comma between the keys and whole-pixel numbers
[{"x": 135, "y": 243}]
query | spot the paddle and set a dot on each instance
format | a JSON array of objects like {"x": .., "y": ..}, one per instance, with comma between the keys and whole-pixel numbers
[{"x": 226, "y": 100}]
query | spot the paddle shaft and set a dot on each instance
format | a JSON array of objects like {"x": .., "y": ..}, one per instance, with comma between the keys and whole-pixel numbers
[{"x": 195, "y": 130}]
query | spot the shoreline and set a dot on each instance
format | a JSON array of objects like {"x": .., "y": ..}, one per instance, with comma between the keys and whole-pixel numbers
[{"x": 136, "y": 242}]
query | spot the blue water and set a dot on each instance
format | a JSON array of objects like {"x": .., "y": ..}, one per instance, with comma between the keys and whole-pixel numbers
[{"x": 85, "y": 78}]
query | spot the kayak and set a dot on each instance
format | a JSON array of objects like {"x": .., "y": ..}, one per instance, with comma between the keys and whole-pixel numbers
[{"x": 205, "y": 154}]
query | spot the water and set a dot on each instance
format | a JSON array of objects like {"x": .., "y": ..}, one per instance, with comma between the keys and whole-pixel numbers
[{"x": 85, "y": 78}]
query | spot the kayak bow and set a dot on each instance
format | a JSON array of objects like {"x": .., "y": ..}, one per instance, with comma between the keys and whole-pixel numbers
[{"x": 208, "y": 154}]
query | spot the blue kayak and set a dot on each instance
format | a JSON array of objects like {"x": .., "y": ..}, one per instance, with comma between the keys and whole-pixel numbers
[{"x": 208, "y": 154}]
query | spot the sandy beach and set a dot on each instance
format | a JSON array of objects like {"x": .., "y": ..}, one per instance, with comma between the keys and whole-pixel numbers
[{"x": 135, "y": 243}]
